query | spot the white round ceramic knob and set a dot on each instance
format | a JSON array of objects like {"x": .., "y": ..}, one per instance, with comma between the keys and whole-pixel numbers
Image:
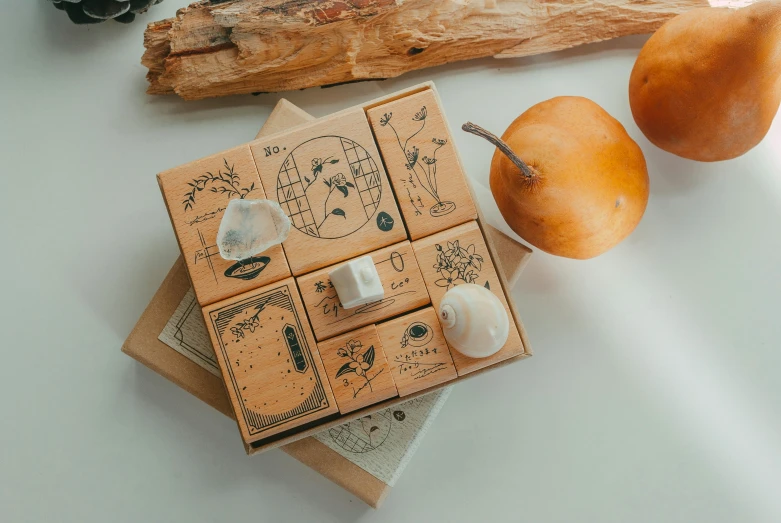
[{"x": 474, "y": 320}]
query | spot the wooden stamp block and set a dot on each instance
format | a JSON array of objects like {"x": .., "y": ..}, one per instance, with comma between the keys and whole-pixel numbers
[
  {"x": 356, "y": 365},
  {"x": 417, "y": 352},
  {"x": 329, "y": 179},
  {"x": 459, "y": 255},
  {"x": 401, "y": 280},
  {"x": 422, "y": 163},
  {"x": 269, "y": 360},
  {"x": 196, "y": 195}
]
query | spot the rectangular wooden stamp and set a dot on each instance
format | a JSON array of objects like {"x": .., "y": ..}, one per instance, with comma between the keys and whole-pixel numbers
[
  {"x": 196, "y": 195},
  {"x": 329, "y": 179},
  {"x": 402, "y": 282},
  {"x": 356, "y": 365},
  {"x": 269, "y": 360},
  {"x": 456, "y": 256},
  {"x": 417, "y": 352},
  {"x": 422, "y": 163}
]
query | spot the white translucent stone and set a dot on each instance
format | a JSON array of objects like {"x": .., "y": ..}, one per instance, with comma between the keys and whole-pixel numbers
[
  {"x": 250, "y": 227},
  {"x": 357, "y": 282},
  {"x": 474, "y": 320}
]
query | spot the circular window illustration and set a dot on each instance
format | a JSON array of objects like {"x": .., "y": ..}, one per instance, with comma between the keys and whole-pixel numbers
[
  {"x": 364, "y": 434},
  {"x": 329, "y": 187}
]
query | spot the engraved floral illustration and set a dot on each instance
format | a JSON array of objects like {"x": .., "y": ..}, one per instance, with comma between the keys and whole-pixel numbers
[
  {"x": 457, "y": 264},
  {"x": 425, "y": 167},
  {"x": 360, "y": 362}
]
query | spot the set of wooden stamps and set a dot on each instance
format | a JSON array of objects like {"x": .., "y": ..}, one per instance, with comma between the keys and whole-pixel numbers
[{"x": 384, "y": 182}]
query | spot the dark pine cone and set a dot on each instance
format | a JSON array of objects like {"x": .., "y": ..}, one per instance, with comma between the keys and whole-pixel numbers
[{"x": 96, "y": 11}]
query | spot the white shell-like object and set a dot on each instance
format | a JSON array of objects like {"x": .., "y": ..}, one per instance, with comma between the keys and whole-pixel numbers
[{"x": 474, "y": 320}]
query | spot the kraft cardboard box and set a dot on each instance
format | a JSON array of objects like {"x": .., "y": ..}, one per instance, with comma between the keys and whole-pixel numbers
[{"x": 144, "y": 345}]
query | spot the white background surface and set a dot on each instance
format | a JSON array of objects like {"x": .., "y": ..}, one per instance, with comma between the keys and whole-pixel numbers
[{"x": 653, "y": 395}]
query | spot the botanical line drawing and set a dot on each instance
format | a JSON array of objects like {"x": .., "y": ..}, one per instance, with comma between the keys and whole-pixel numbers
[
  {"x": 361, "y": 362},
  {"x": 424, "y": 167},
  {"x": 337, "y": 194},
  {"x": 457, "y": 265},
  {"x": 251, "y": 323},
  {"x": 227, "y": 183}
]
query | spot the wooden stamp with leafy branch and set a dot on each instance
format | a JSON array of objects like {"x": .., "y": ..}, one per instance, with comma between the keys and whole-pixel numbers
[{"x": 227, "y": 183}]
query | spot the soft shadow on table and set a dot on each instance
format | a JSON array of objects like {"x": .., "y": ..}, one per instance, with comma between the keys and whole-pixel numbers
[{"x": 213, "y": 459}]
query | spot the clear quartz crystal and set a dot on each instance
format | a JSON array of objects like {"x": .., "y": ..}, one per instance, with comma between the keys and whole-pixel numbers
[{"x": 250, "y": 227}]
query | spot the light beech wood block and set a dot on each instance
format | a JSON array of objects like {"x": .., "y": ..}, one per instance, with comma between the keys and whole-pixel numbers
[
  {"x": 358, "y": 369},
  {"x": 269, "y": 360},
  {"x": 329, "y": 179},
  {"x": 456, "y": 256},
  {"x": 422, "y": 163},
  {"x": 402, "y": 282},
  {"x": 418, "y": 354},
  {"x": 196, "y": 195}
]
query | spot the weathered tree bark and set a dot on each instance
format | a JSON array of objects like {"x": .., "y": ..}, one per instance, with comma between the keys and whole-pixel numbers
[{"x": 244, "y": 46}]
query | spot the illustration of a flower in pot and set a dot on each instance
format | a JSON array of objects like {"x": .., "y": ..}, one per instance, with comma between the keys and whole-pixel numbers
[
  {"x": 360, "y": 362},
  {"x": 425, "y": 167},
  {"x": 226, "y": 182}
]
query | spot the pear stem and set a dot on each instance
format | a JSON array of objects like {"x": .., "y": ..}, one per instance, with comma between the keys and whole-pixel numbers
[{"x": 495, "y": 140}]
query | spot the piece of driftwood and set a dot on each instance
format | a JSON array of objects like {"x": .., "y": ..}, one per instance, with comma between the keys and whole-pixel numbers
[{"x": 243, "y": 46}]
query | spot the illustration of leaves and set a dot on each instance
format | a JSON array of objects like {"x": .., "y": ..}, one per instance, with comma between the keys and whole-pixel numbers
[
  {"x": 327, "y": 182},
  {"x": 487, "y": 286},
  {"x": 342, "y": 189},
  {"x": 350, "y": 185},
  {"x": 344, "y": 369},
  {"x": 339, "y": 212},
  {"x": 374, "y": 427},
  {"x": 368, "y": 356},
  {"x": 334, "y": 161},
  {"x": 317, "y": 169},
  {"x": 307, "y": 179}
]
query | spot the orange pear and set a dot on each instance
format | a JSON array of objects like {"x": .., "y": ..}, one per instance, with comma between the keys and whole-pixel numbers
[{"x": 707, "y": 85}]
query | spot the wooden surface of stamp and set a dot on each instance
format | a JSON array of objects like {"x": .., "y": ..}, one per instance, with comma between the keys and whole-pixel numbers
[
  {"x": 269, "y": 360},
  {"x": 196, "y": 195},
  {"x": 417, "y": 352},
  {"x": 402, "y": 282},
  {"x": 358, "y": 369},
  {"x": 422, "y": 165},
  {"x": 329, "y": 179},
  {"x": 454, "y": 257}
]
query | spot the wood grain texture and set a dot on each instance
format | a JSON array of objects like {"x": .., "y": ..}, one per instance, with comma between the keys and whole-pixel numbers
[
  {"x": 417, "y": 352},
  {"x": 401, "y": 280},
  {"x": 269, "y": 360},
  {"x": 329, "y": 179},
  {"x": 456, "y": 256},
  {"x": 196, "y": 195},
  {"x": 217, "y": 49},
  {"x": 432, "y": 194},
  {"x": 358, "y": 369}
]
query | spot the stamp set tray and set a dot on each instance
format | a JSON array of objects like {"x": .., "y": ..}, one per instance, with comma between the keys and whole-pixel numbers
[{"x": 381, "y": 179}]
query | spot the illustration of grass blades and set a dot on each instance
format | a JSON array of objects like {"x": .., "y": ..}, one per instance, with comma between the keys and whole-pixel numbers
[
  {"x": 360, "y": 363},
  {"x": 227, "y": 183},
  {"x": 424, "y": 167}
]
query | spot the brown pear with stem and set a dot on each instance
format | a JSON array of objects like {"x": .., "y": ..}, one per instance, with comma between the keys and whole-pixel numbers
[
  {"x": 707, "y": 85},
  {"x": 567, "y": 178}
]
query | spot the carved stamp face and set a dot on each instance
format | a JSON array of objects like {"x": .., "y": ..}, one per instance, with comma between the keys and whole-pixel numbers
[{"x": 330, "y": 186}]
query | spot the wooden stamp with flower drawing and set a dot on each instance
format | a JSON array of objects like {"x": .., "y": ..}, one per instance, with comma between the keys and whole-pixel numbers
[{"x": 358, "y": 369}]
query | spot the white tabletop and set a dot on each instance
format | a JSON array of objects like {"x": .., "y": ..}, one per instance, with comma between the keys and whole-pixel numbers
[{"x": 653, "y": 394}]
